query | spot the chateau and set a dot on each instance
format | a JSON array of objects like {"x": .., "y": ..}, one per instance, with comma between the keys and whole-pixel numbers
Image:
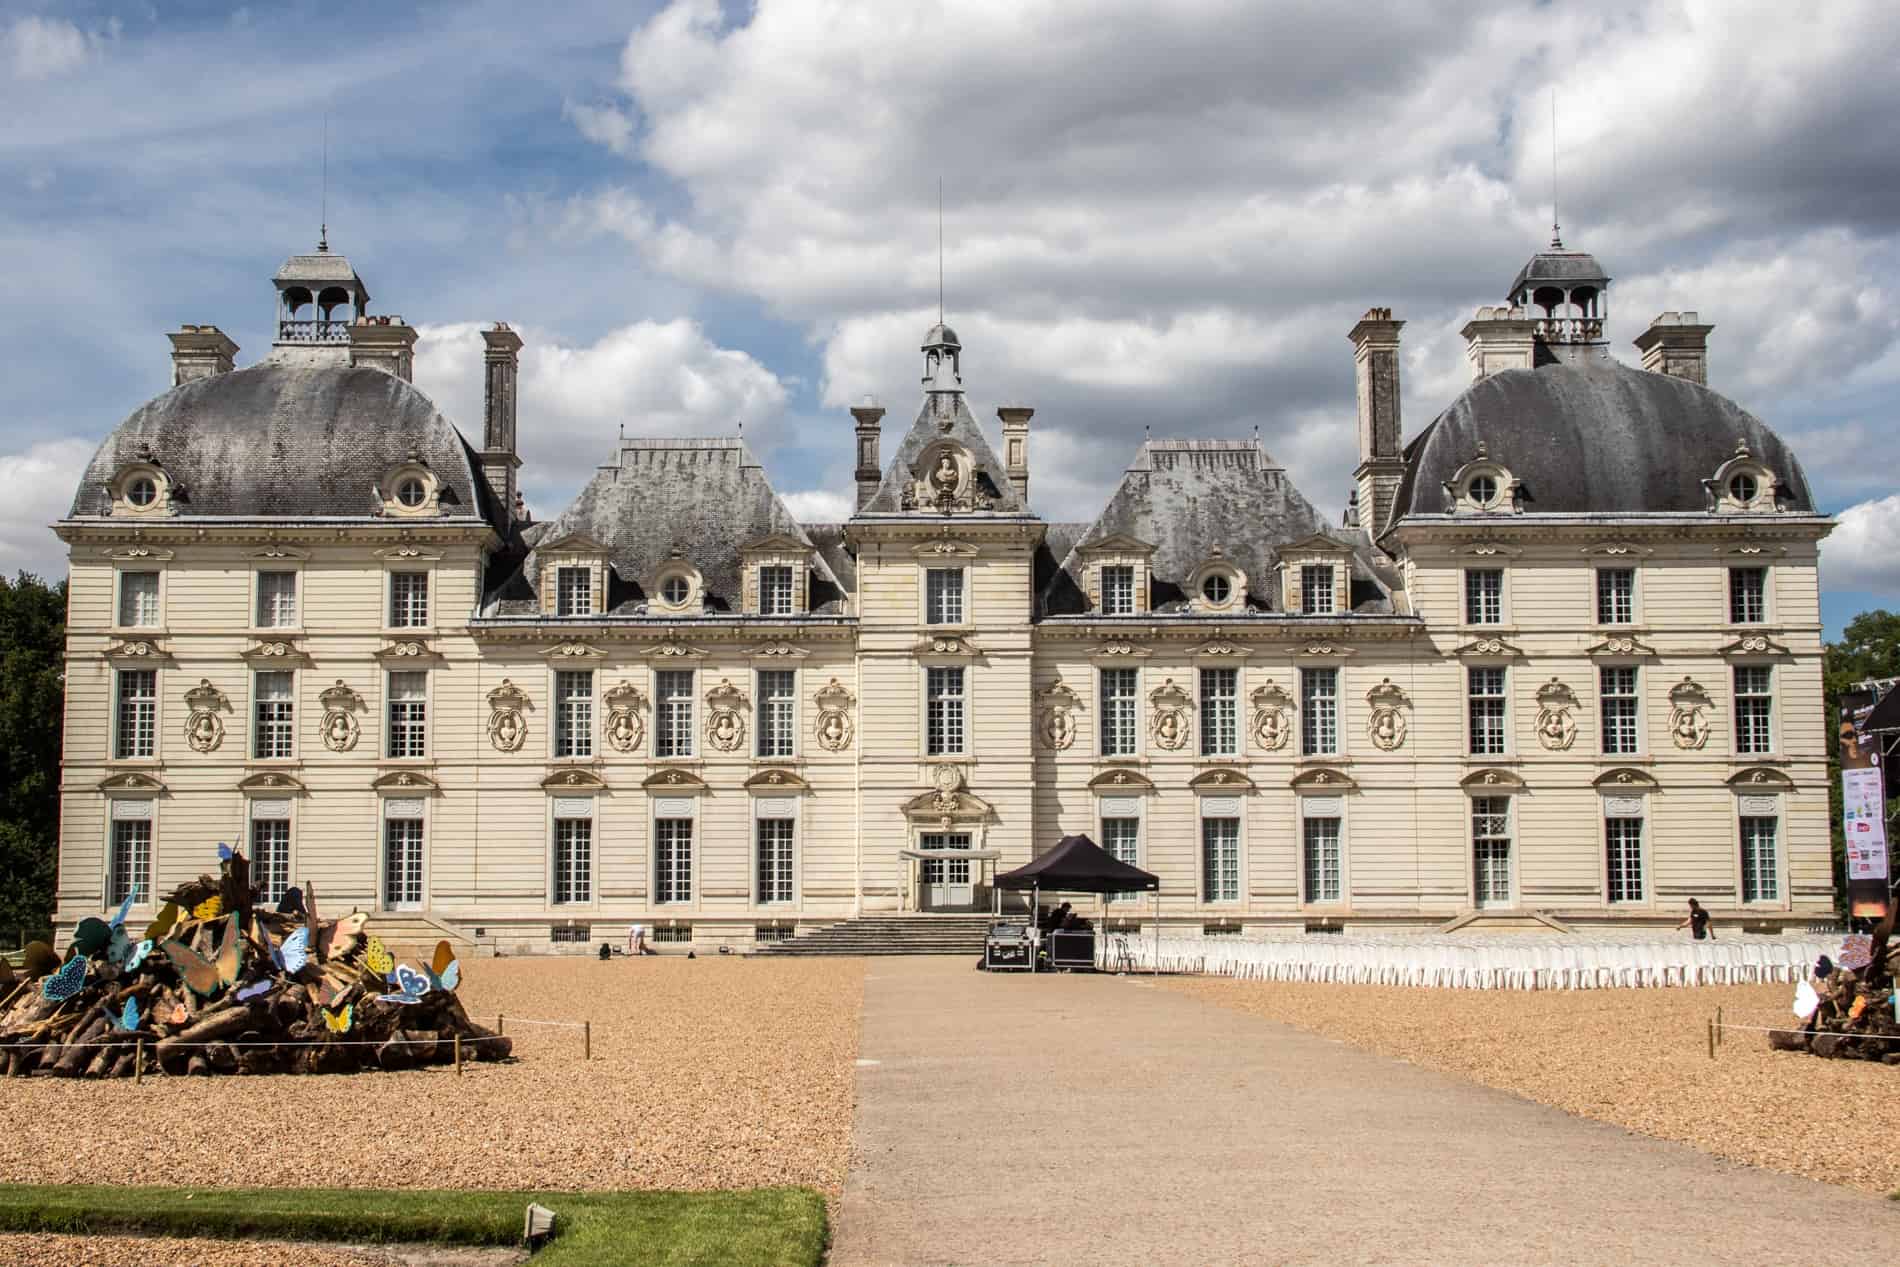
[{"x": 1558, "y": 662}]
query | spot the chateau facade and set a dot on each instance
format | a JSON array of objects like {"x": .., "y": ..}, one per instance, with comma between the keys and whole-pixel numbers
[{"x": 1558, "y": 662}]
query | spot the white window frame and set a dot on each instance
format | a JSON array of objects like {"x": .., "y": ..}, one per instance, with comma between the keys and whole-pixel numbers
[
  {"x": 1103, "y": 818},
  {"x": 1767, "y": 592},
  {"x": 1631, "y": 699},
  {"x": 383, "y": 819},
  {"x": 1204, "y": 864},
  {"x": 930, "y": 596},
  {"x": 690, "y": 876},
  {"x": 1116, "y": 600},
  {"x": 790, "y": 866},
  {"x": 571, "y": 737},
  {"x": 1754, "y": 875},
  {"x": 769, "y": 594},
  {"x": 1219, "y": 726},
  {"x": 569, "y": 599},
  {"x": 119, "y": 700},
  {"x": 1503, "y": 699},
  {"x": 777, "y": 714},
  {"x": 122, "y": 575},
  {"x": 1735, "y": 710},
  {"x": 260, "y": 870},
  {"x": 258, "y": 613},
  {"x": 1471, "y": 610},
  {"x": 1646, "y": 897},
  {"x": 1322, "y": 809},
  {"x": 963, "y": 712},
  {"x": 1108, "y": 714},
  {"x": 669, "y": 741},
  {"x": 1312, "y": 577},
  {"x": 1597, "y": 595},
  {"x": 398, "y": 619},
  {"x": 389, "y": 713},
  {"x": 560, "y": 875},
  {"x": 148, "y": 818},
  {"x": 1309, "y": 721},
  {"x": 1508, "y": 836},
  {"x": 287, "y": 723}
]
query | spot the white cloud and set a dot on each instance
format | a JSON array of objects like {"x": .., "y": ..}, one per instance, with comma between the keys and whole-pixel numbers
[
  {"x": 607, "y": 126},
  {"x": 37, "y": 47},
  {"x": 820, "y": 505},
  {"x": 653, "y": 378},
  {"x": 1863, "y": 552},
  {"x": 40, "y": 483}
]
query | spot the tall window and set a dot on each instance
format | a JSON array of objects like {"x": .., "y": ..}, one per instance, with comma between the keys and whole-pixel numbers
[
  {"x": 775, "y": 860},
  {"x": 1320, "y": 850},
  {"x": 1121, "y": 838},
  {"x": 1747, "y": 595},
  {"x": 1119, "y": 736},
  {"x": 775, "y": 591},
  {"x": 138, "y": 713},
  {"x": 274, "y": 728},
  {"x": 1486, "y": 692},
  {"x": 1319, "y": 712},
  {"x": 1624, "y": 865},
  {"x": 402, "y": 862},
  {"x": 1491, "y": 850},
  {"x": 574, "y": 591},
  {"x": 943, "y": 701},
  {"x": 409, "y": 714},
  {"x": 943, "y": 596},
  {"x": 270, "y": 857},
  {"x": 573, "y": 860},
  {"x": 1620, "y": 708},
  {"x": 574, "y": 713},
  {"x": 1220, "y": 859},
  {"x": 673, "y": 860},
  {"x": 778, "y": 702},
  {"x": 408, "y": 600},
  {"x": 138, "y": 600},
  {"x": 276, "y": 600},
  {"x": 1118, "y": 590},
  {"x": 1316, "y": 589},
  {"x": 131, "y": 867},
  {"x": 673, "y": 713},
  {"x": 1760, "y": 878},
  {"x": 1754, "y": 708},
  {"x": 1484, "y": 596},
  {"x": 1220, "y": 727},
  {"x": 1616, "y": 596}
]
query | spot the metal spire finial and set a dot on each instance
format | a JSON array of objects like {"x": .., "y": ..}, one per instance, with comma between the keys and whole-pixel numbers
[
  {"x": 939, "y": 250},
  {"x": 1556, "y": 232},
  {"x": 323, "y": 223}
]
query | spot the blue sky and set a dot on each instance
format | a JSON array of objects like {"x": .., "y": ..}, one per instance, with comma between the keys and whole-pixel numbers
[{"x": 703, "y": 218}]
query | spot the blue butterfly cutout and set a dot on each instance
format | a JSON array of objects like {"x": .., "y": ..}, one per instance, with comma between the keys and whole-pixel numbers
[
  {"x": 290, "y": 957},
  {"x": 256, "y": 989},
  {"x": 411, "y": 984},
  {"x": 450, "y": 978},
  {"x": 128, "y": 1019},
  {"x": 225, "y": 852},
  {"x": 67, "y": 982}
]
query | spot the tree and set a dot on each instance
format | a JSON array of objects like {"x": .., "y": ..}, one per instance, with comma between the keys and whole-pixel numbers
[
  {"x": 1869, "y": 649},
  {"x": 32, "y": 709}
]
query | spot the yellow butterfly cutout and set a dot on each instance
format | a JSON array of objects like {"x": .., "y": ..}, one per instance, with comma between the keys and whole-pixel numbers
[
  {"x": 377, "y": 958},
  {"x": 210, "y": 908},
  {"x": 339, "y": 1022}
]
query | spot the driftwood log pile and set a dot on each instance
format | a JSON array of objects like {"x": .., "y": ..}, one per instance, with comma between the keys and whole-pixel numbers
[
  {"x": 217, "y": 985},
  {"x": 1854, "y": 1018}
]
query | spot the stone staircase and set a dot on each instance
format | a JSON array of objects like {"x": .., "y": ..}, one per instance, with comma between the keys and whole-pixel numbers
[
  {"x": 890, "y": 935},
  {"x": 410, "y": 934}
]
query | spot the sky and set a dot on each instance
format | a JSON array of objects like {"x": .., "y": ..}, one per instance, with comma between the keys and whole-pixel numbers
[{"x": 1163, "y": 218}]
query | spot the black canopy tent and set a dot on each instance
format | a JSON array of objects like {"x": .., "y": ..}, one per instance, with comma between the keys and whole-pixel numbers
[{"x": 1079, "y": 865}]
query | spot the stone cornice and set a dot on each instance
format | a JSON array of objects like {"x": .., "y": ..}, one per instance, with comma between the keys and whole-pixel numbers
[
  {"x": 1416, "y": 530},
  {"x": 1242, "y": 631},
  {"x": 218, "y": 530},
  {"x": 722, "y": 630}
]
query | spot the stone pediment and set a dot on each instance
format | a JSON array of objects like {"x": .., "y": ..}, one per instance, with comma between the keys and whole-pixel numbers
[
  {"x": 945, "y": 645},
  {"x": 1319, "y": 649},
  {"x": 271, "y": 783},
  {"x": 405, "y": 783},
  {"x": 136, "y": 650},
  {"x": 673, "y": 779},
  {"x": 1219, "y": 648},
  {"x": 1753, "y": 645},
  {"x": 574, "y": 781},
  {"x": 665, "y": 651},
  {"x": 1625, "y": 779},
  {"x": 948, "y": 807},
  {"x": 132, "y": 782},
  {"x": 1488, "y": 649},
  {"x": 1760, "y": 778},
  {"x": 1493, "y": 779},
  {"x": 1486, "y": 550},
  {"x": 407, "y": 652},
  {"x": 1118, "y": 649},
  {"x": 944, "y": 548},
  {"x": 1221, "y": 779},
  {"x": 775, "y": 543},
  {"x": 276, "y": 551},
  {"x": 1624, "y": 645},
  {"x": 1322, "y": 779},
  {"x": 1618, "y": 549},
  {"x": 581, "y": 653},
  {"x": 1312, "y": 545},
  {"x": 775, "y": 780},
  {"x": 777, "y": 651},
  {"x": 136, "y": 554},
  {"x": 573, "y": 543},
  {"x": 1121, "y": 780},
  {"x": 274, "y": 653},
  {"x": 398, "y": 555}
]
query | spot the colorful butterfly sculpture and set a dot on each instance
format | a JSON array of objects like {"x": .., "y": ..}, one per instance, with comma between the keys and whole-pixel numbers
[
  {"x": 167, "y": 920},
  {"x": 207, "y": 976},
  {"x": 445, "y": 972},
  {"x": 210, "y": 908},
  {"x": 290, "y": 957},
  {"x": 410, "y": 984},
  {"x": 128, "y": 1019},
  {"x": 68, "y": 981},
  {"x": 339, "y": 1022},
  {"x": 255, "y": 989},
  {"x": 225, "y": 852},
  {"x": 1857, "y": 950},
  {"x": 377, "y": 957}
]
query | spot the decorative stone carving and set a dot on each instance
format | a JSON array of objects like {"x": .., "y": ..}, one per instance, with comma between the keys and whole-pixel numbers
[
  {"x": 204, "y": 729},
  {"x": 625, "y": 725},
  {"x": 1168, "y": 708},
  {"x": 725, "y": 724},
  {"x": 137, "y": 649},
  {"x": 778, "y": 651},
  {"x": 833, "y": 722},
  {"x": 406, "y": 650},
  {"x": 339, "y": 725},
  {"x": 507, "y": 727},
  {"x": 946, "y": 644},
  {"x": 946, "y": 781},
  {"x": 1556, "y": 720},
  {"x": 1689, "y": 709},
  {"x": 1056, "y": 709},
  {"x": 572, "y": 651},
  {"x": 1386, "y": 723},
  {"x": 944, "y": 480},
  {"x": 1272, "y": 711},
  {"x": 673, "y": 651},
  {"x": 1119, "y": 648},
  {"x": 1221, "y": 647}
]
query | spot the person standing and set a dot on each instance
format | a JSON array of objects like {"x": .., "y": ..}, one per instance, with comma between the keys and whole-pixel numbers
[
  {"x": 1697, "y": 921},
  {"x": 636, "y": 938}
]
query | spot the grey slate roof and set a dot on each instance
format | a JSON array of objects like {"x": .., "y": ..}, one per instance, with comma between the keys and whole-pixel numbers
[
  {"x": 324, "y": 266},
  {"x": 986, "y": 470},
  {"x": 284, "y": 441},
  {"x": 1559, "y": 266},
  {"x": 1184, "y": 497},
  {"x": 1591, "y": 439},
  {"x": 708, "y": 499}
]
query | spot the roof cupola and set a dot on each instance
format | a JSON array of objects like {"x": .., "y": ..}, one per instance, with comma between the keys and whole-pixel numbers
[
  {"x": 318, "y": 297},
  {"x": 1567, "y": 293}
]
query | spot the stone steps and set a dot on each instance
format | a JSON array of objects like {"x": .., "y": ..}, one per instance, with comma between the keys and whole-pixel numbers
[{"x": 890, "y": 935}]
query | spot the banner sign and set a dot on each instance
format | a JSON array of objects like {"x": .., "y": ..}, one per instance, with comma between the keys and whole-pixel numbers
[{"x": 1863, "y": 808}]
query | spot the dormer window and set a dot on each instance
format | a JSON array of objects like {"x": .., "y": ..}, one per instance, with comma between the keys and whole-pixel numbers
[
  {"x": 1316, "y": 589},
  {"x": 1482, "y": 486},
  {"x": 574, "y": 591},
  {"x": 411, "y": 492},
  {"x": 1742, "y": 485},
  {"x": 1217, "y": 585},
  {"x": 1217, "y": 589},
  {"x": 776, "y": 591},
  {"x": 1483, "y": 491},
  {"x": 411, "y": 489},
  {"x": 674, "y": 590},
  {"x": 142, "y": 491},
  {"x": 1118, "y": 590},
  {"x": 1743, "y": 488}
]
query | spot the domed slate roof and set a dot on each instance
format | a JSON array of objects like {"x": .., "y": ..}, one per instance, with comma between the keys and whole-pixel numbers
[
  {"x": 1599, "y": 438},
  {"x": 1559, "y": 265},
  {"x": 286, "y": 441},
  {"x": 941, "y": 335}
]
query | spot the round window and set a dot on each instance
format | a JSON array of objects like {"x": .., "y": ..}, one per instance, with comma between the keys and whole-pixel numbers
[
  {"x": 674, "y": 590},
  {"x": 1483, "y": 490},
  {"x": 142, "y": 491},
  {"x": 1216, "y": 588},
  {"x": 1743, "y": 488},
  {"x": 410, "y": 492}
]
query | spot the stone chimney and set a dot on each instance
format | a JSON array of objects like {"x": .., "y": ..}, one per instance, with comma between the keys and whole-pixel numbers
[
  {"x": 1500, "y": 339},
  {"x": 501, "y": 371},
  {"x": 1375, "y": 355},
  {"x": 1016, "y": 448},
  {"x": 868, "y": 416},
  {"x": 384, "y": 343},
  {"x": 200, "y": 352},
  {"x": 1676, "y": 344}
]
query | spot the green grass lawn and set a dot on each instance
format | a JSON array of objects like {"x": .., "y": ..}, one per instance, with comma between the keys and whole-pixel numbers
[{"x": 763, "y": 1227}]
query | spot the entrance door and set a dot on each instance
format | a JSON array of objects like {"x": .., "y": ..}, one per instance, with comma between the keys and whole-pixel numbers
[
  {"x": 1491, "y": 851},
  {"x": 948, "y": 885},
  {"x": 402, "y": 864}
]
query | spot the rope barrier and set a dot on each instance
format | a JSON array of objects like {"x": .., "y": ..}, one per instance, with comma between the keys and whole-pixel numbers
[
  {"x": 169, "y": 1045},
  {"x": 522, "y": 1020},
  {"x": 1770, "y": 1029}
]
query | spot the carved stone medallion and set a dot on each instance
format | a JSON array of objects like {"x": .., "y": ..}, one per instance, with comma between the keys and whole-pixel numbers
[
  {"x": 507, "y": 723},
  {"x": 725, "y": 724},
  {"x": 625, "y": 726},
  {"x": 1168, "y": 708},
  {"x": 1689, "y": 709},
  {"x": 833, "y": 722},
  {"x": 1556, "y": 716},
  {"x": 1272, "y": 709},
  {"x": 339, "y": 725},
  {"x": 204, "y": 729},
  {"x": 1057, "y": 706},
  {"x": 1386, "y": 722}
]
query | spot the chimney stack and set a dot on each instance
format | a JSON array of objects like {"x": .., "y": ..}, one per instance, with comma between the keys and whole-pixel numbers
[
  {"x": 200, "y": 352},
  {"x": 384, "y": 343},
  {"x": 1015, "y": 420},
  {"x": 500, "y": 371},
  {"x": 1500, "y": 338},
  {"x": 1676, "y": 344},
  {"x": 1375, "y": 355},
  {"x": 868, "y": 416}
]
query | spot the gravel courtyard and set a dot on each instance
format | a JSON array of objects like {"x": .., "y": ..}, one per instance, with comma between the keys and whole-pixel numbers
[
  {"x": 711, "y": 1073},
  {"x": 1635, "y": 1058}
]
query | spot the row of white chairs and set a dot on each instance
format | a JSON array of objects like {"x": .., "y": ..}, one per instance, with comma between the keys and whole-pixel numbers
[{"x": 1533, "y": 963}]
